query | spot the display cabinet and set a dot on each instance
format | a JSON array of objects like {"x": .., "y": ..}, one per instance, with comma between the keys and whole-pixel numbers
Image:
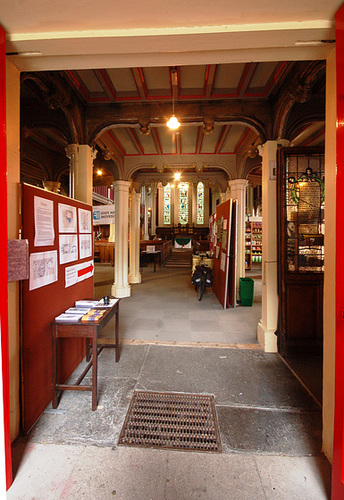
[{"x": 253, "y": 243}]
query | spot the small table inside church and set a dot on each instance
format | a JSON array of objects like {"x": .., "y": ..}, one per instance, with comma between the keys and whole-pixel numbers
[
  {"x": 149, "y": 256},
  {"x": 90, "y": 331}
]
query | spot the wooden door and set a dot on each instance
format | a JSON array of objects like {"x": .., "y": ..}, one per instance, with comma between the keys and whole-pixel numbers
[{"x": 300, "y": 250}]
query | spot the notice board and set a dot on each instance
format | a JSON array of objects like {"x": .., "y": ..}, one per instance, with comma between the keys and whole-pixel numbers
[
  {"x": 223, "y": 232},
  {"x": 59, "y": 232}
]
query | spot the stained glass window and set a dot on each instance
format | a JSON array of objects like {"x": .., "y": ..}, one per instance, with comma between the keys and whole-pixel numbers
[
  {"x": 167, "y": 204},
  {"x": 200, "y": 203},
  {"x": 183, "y": 203}
]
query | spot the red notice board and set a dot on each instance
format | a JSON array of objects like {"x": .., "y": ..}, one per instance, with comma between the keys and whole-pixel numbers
[
  {"x": 58, "y": 229},
  {"x": 223, "y": 236}
]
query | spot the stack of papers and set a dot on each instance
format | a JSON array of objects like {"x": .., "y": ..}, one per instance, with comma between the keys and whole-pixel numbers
[
  {"x": 68, "y": 317},
  {"x": 86, "y": 303}
]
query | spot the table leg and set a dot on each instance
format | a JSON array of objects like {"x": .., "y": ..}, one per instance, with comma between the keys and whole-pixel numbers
[
  {"x": 94, "y": 373},
  {"x": 54, "y": 367}
]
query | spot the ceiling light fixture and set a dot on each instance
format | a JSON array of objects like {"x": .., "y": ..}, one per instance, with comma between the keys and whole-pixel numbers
[
  {"x": 177, "y": 176},
  {"x": 173, "y": 122}
]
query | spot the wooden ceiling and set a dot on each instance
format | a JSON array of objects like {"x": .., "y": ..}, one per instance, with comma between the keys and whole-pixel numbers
[{"x": 177, "y": 86}]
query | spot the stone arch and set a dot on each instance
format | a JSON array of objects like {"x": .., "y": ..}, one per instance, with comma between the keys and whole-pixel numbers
[
  {"x": 299, "y": 90},
  {"x": 58, "y": 96}
]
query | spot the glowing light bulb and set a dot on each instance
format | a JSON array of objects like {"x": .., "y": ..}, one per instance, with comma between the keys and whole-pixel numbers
[{"x": 173, "y": 123}]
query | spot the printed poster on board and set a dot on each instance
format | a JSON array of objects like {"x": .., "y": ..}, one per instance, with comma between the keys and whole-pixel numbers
[
  {"x": 85, "y": 221},
  {"x": 68, "y": 248},
  {"x": 67, "y": 219},
  {"x": 44, "y": 222},
  {"x": 43, "y": 269},
  {"x": 85, "y": 246}
]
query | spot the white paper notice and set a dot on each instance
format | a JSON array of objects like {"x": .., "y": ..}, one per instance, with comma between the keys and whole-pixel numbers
[
  {"x": 43, "y": 269},
  {"x": 71, "y": 276},
  {"x": 223, "y": 262},
  {"x": 68, "y": 247},
  {"x": 85, "y": 220},
  {"x": 225, "y": 225},
  {"x": 85, "y": 246},
  {"x": 44, "y": 222},
  {"x": 67, "y": 218},
  {"x": 78, "y": 272}
]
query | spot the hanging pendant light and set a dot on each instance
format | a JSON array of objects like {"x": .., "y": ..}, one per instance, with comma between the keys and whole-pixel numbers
[{"x": 173, "y": 122}]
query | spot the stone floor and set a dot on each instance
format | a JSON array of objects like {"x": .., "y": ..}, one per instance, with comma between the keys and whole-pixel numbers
[{"x": 270, "y": 425}]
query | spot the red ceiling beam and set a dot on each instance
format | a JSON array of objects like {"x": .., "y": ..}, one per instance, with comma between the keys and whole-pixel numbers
[
  {"x": 135, "y": 140},
  {"x": 209, "y": 79},
  {"x": 106, "y": 84},
  {"x": 139, "y": 82}
]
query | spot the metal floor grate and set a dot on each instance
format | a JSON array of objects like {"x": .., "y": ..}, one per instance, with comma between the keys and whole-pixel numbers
[{"x": 171, "y": 420}]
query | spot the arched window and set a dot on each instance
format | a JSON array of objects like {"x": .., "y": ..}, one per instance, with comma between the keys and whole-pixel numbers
[
  {"x": 200, "y": 203},
  {"x": 167, "y": 204},
  {"x": 183, "y": 203}
]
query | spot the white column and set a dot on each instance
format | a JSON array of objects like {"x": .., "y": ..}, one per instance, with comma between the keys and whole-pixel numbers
[
  {"x": 250, "y": 205},
  {"x": 193, "y": 203},
  {"x": 268, "y": 324},
  {"x": 112, "y": 233},
  {"x": 161, "y": 205},
  {"x": 145, "y": 222},
  {"x": 206, "y": 203},
  {"x": 81, "y": 172},
  {"x": 175, "y": 204},
  {"x": 154, "y": 204},
  {"x": 121, "y": 287},
  {"x": 134, "y": 240},
  {"x": 72, "y": 152},
  {"x": 238, "y": 192}
]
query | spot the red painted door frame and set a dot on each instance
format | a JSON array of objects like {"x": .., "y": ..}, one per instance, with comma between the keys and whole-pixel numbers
[
  {"x": 3, "y": 260},
  {"x": 338, "y": 448}
]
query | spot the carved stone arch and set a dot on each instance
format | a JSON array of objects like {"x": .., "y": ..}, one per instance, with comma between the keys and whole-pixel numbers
[
  {"x": 58, "y": 96},
  {"x": 260, "y": 128},
  {"x": 117, "y": 156},
  {"x": 50, "y": 125},
  {"x": 251, "y": 164},
  {"x": 301, "y": 124},
  {"x": 33, "y": 171},
  {"x": 299, "y": 90},
  {"x": 135, "y": 168}
]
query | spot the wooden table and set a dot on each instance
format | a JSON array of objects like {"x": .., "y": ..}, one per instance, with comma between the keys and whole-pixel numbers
[
  {"x": 90, "y": 332},
  {"x": 155, "y": 256}
]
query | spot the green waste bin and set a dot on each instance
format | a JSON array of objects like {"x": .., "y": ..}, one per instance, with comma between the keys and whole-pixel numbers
[{"x": 246, "y": 288}]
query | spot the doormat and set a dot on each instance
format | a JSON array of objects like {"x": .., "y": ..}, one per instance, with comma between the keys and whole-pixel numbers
[{"x": 171, "y": 420}]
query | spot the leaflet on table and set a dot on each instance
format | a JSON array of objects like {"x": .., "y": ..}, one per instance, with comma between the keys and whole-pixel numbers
[
  {"x": 111, "y": 303},
  {"x": 73, "y": 318},
  {"x": 77, "y": 310},
  {"x": 86, "y": 303}
]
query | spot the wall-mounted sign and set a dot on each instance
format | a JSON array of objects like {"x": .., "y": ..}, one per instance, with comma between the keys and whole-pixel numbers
[{"x": 103, "y": 214}]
